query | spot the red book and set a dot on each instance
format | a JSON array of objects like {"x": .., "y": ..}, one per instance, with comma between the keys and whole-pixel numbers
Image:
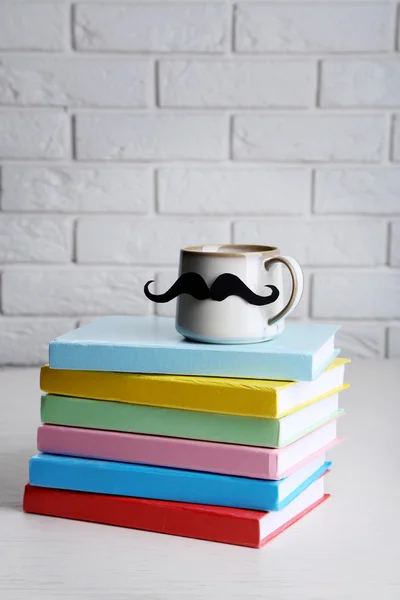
[{"x": 215, "y": 523}]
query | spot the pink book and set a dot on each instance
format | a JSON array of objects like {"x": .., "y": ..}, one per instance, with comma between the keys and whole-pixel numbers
[{"x": 213, "y": 457}]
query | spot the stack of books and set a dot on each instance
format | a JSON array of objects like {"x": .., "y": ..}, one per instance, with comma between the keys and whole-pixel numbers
[{"x": 144, "y": 429}]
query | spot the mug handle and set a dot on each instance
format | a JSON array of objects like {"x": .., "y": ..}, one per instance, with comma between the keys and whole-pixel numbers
[{"x": 297, "y": 284}]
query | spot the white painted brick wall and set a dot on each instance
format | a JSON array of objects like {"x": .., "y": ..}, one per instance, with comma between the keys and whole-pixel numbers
[
  {"x": 33, "y": 134},
  {"x": 308, "y": 138},
  {"x": 76, "y": 188},
  {"x": 25, "y": 341},
  {"x": 320, "y": 243},
  {"x": 313, "y": 27},
  {"x": 365, "y": 190},
  {"x": 148, "y": 27},
  {"x": 356, "y": 295},
  {"x": 130, "y": 129},
  {"x": 151, "y": 137},
  {"x": 224, "y": 191},
  {"x": 357, "y": 83},
  {"x": 74, "y": 291},
  {"x": 122, "y": 240},
  {"x": 76, "y": 81},
  {"x": 32, "y": 26},
  {"x": 35, "y": 238},
  {"x": 362, "y": 341},
  {"x": 237, "y": 83}
]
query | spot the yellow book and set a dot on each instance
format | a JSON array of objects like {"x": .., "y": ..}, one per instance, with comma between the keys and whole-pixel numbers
[{"x": 244, "y": 397}]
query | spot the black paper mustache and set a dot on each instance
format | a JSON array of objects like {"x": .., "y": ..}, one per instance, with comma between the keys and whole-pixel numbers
[{"x": 225, "y": 285}]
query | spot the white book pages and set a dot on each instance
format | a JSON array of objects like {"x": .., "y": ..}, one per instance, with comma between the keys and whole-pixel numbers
[
  {"x": 304, "y": 391},
  {"x": 274, "y": 520},
  {"x": 306, "y": 418},
  {"x": 293, "y": 481},
  {"x": 306, "y": 446},
  {"x": 322, "y": 355}
]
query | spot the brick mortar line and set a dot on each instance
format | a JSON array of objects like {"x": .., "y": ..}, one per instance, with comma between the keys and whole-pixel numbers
[
  {"x": 313, "y": 194},
  {"x": 226, "y": 2},
  {"x": 47, "y": 317},
  {"x": 231, "y": 137},
  {"x": 389, "y": 240},
  {"x": 199, "y": 217},
  {"x": 189, "y": 111},
  {"x": 318, "y": 84},
  {"x": 217, "y": 165},
  {"x": 374, "y": 321},
  {"x": 203, "y": 163},
  {"x": 386, "y": 343},
  {"x": 71, "y": 10},
  {"x": 387, "y": 156},
  {"x": 281, "y": 218},
  {"x": 156, "y": 85},
  {"x": 41, "y": 267},
  {"x": 155, "y": 194},
  {"x": 384, "y": 321},
  {"x": 231, "y": 32},
  {"x": 319, "y": 217},
  {"x": 396, "y": 25},
  {"x": 191, "y": 163},
  {"x": 74, "y": 138},
  {"x": 188, "y": 55},
  {"x": 69, "y": 15},
  {"x": 310, "y": 294},
  {"x": 393, "y": 121},
  {"x": 361, "y": 322},
  {"x": 70, "y": 266},
  {"x": 74, "y": 245},
  {"x": 201, "y": 111}
]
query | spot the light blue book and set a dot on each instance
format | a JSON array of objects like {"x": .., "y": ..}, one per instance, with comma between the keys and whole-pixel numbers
[
  {"x": 179, "y": 485},
  {"x": 152, "y": 345}
]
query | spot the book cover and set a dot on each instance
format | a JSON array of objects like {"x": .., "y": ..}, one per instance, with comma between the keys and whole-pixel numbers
[
  {"x": 151, "y": 345},
  {"x": 235, "y": 396},
  {"x": 170, "y": 422},
  {"x": 213, "y": 523},
  {"x": 178, "y": 485},
  {"x": 180, "y": 453}
]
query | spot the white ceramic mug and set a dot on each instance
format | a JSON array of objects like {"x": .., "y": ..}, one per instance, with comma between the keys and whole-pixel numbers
[{"x": 233, "y": 320}]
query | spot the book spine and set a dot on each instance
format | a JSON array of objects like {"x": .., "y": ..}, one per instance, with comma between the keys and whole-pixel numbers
[
  {"x": 233, "y": 396},
  {"x": 172, "y": 361},
  {"x": 122, "y": 479},
  {"x": 160, "y": 421},
  {"x": 141, "y": 514},
  {"x": 179, "y": 453}
]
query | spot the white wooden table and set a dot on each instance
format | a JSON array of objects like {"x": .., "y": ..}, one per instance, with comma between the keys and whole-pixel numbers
[{"x": 349, "y": 548}]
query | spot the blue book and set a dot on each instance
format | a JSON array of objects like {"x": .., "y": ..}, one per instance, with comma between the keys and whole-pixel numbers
[
  {"x": 161, "y": 483},
  {"x": 152, "y": 345}
]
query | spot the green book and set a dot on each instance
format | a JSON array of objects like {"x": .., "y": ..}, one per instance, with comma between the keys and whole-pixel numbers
[{"x": 169, "y": 422}]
